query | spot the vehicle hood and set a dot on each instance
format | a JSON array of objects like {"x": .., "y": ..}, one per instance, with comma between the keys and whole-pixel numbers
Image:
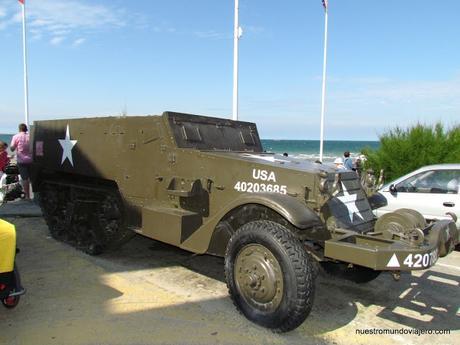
[{"x": 277, "y": 160}]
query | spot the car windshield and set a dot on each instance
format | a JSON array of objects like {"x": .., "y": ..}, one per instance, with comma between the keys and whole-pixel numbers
[{"x": 432, "y": 181}]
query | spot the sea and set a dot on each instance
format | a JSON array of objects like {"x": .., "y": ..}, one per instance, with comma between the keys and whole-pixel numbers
[
  {"x": 304, "y": 149},
  {"x": 309, "y": 149}
]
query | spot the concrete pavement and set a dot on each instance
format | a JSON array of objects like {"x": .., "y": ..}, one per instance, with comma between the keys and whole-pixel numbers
[{"x": 151, "y": 293}]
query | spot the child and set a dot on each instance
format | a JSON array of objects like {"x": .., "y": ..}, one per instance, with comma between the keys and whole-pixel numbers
[{"x": 4, "y": 160}]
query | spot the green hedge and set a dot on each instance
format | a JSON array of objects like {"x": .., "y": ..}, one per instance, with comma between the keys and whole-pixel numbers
[{"x": 404, "y": 150}]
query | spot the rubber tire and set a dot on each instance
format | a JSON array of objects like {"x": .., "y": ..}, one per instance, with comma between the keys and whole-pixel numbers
[
  {"x": 13, "y": 281},
  {"x": 11, "y": 305},
  {"x": 298, "y": 275},
  {"x": 356, "y": 274}
]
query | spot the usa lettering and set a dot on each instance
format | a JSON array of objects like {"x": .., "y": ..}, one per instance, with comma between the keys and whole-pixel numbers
[{"x": 263, "y": 175}]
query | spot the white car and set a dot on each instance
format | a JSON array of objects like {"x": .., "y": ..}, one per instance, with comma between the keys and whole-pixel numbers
[{"x": 432, "y": 190}]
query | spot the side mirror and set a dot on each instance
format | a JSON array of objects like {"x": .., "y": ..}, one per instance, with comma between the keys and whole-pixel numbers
[{"x": 392, "y": 189}]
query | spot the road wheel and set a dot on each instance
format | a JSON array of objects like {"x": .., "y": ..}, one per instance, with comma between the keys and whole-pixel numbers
[
  {"x": 11, "y": 302},
  {"x": 356, "y": 274},
  {"x": 52, "y": 202},
  {"x": 269, "y": 275},
  {"x": 111, "y": 221},
  {"x": 88, "y": 218}
]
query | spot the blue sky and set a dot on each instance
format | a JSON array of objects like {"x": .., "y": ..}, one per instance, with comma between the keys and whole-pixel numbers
[{"x": 389, "y": 63}]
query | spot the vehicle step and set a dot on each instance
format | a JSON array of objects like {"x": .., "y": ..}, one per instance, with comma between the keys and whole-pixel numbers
[{"x": 170, "y": 225}]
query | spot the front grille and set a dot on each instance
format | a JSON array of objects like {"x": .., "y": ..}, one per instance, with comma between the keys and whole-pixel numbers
[{"x": 348, "y": 203}]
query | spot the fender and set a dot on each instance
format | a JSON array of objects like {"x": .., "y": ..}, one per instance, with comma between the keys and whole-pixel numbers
[{"x": 288, "y": 207}]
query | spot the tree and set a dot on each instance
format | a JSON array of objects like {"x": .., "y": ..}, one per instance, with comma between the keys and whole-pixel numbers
[{"x": 404, "y": 150}]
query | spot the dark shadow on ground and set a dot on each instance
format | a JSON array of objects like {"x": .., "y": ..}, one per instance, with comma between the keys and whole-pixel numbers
[{"x": 435, "y": 301}]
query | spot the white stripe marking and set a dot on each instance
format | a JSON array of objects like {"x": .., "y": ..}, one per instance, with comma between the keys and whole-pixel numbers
[{"x": 449, "y": 266}]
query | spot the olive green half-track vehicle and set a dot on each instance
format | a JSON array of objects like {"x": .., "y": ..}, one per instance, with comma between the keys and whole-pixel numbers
[{"x": 206, "y": 185}]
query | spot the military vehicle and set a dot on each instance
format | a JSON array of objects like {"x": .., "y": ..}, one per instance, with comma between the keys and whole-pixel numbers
[{"x": 207, "y": 186}]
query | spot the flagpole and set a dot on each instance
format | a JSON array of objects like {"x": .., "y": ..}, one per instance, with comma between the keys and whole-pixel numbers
[
  {"x": 236, "y": 34},
  {"x": 24, "y": 49},
  {"x": 323, "y": 97}
]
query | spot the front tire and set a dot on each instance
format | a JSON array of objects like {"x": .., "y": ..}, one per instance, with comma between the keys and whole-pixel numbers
[{"x": 269, "y": 275}]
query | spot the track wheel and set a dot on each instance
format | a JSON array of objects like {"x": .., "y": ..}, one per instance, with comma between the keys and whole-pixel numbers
[
  {"x": 111, "y": 221},
  {"x": 269, "y": 275},
  {"x": 52, "y": 203}
]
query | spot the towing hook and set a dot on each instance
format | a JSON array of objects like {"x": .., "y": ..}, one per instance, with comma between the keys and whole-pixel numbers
[
  {"x": 396, "y": 275},
  {"x": 452, "y": 215}
]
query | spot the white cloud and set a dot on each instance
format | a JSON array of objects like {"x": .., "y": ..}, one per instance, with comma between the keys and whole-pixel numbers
[
  {"x": 252, "y": 29},
  {"x": 387, "y": 91},
  {"x": 164, "y": 29},
  {"x": 56, "y": 40},
  {"x": 78, "y": 42},
  {"x": 7, "y": 16},
  {"x": 74, "y": 14},
  {"x": 60, "y": 20},
  {"x": 385, "y": 102},
  {"x": 211, "y": 34}
]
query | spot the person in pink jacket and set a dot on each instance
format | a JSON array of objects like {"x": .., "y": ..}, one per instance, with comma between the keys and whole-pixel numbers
[{"x": 20, "y": 144}]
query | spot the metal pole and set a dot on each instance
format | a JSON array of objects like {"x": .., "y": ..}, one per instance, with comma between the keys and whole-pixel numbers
[
  {"x": 236, "y": 34},
  {"x": 321, "y": 139},
  {"x": 24, "y": 48}
]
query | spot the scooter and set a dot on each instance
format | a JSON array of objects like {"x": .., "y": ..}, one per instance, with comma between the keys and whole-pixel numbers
[
  {"x": 10, "y": 184},
  {"x": 11, "y": 288}
]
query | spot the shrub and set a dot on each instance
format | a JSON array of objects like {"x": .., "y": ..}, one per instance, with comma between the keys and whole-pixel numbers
[{"x": 404, "y": 150}]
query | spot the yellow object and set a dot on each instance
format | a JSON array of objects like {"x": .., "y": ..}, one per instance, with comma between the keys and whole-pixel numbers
[{"x": 7, "y": 246}]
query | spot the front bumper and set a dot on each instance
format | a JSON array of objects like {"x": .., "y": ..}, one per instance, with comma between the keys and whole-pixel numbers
[{"x": 373, "y": 251}]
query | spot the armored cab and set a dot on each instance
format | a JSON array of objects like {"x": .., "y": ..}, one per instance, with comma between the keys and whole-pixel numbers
[{"x": 206, "y": 185}]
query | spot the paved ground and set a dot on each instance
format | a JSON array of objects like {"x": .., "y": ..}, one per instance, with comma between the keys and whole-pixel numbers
[{"x": 151, "y": 293}]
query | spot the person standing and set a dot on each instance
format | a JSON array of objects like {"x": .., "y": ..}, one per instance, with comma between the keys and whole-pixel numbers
[
  {"x": 348, "y": 161},
  {"x": 20, "y": 144},
  {"x": 339, "y": 163},
  {"x": 4, "y": 160}
]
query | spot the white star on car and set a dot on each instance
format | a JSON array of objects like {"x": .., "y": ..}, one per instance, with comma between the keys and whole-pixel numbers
[
  {"x": 350, "y": 202},
  {"x": 67, "y": 146}
]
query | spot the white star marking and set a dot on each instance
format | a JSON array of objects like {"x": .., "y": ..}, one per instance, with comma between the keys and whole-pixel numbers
[
  {"x": 67, "y": 146},
  {"x": 350, "y": 202}
]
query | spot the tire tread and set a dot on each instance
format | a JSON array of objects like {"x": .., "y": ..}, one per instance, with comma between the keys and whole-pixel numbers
[{"x": 299, "y": 260}]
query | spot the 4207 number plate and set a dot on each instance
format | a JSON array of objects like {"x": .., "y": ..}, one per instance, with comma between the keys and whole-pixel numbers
[{"x": 421, "y": 260}]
